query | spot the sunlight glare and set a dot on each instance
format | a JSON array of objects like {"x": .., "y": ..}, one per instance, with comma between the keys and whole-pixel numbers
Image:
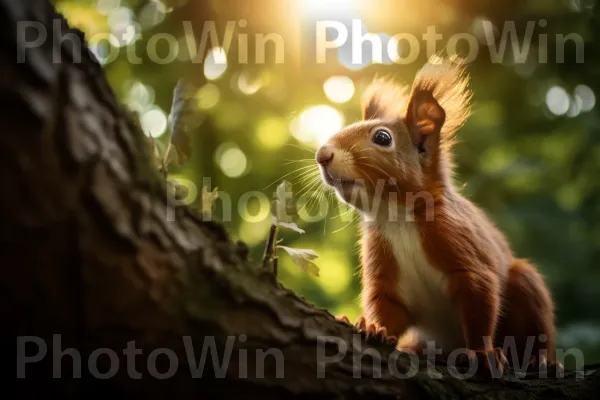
[
  {"x": 317, "y": 124},
  {"x": 318, "y": 6}
]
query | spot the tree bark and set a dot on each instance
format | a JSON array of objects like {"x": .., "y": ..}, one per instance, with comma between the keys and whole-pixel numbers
[{"x": 89, "y": 252}]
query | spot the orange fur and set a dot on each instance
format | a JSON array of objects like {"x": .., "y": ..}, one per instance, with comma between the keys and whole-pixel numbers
[
  {"x": 446, "y": 236},
  {"x": 381, "y": 304}
]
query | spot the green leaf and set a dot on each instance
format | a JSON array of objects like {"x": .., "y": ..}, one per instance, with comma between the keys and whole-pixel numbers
[
  {"x": 292, "y": 226},
  {"x": 303, "y": 259},
  {"x": 183, "y": 118}
]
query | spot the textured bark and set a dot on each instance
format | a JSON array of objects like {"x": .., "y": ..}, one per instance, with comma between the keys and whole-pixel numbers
[{"x": 87, "y": 251}]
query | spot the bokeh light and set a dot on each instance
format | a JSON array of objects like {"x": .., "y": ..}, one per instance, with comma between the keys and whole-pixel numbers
[
  {"x": 215, "y": 63},
  {"x": 231, "y": 160},
  {"x": 106, "y": 6},
  {"x": 271, "y": 132},
  {"x": 122, "y": 25},
  {"x": 575, "y": 107},
  {"x": 317, "y": 124},
  {"x": 139, "y": 96},
  {"x": 208, "y": 96},
  {"x": 247, "y": 85},
  {"x": 154, "y": 122},
  {"x": 395, "y": 54},
  {"x": 103, "y": 50},
  {"x": 345, "y": 58},
  {"x": 587, "y": 97},
  {"x": 346, "y": 54},
  {"x": 339, "y": 89},
  {"x": 253, "y": 233},
  {"x": 336, "y": 277},
  {"x": 557, "y": 100},
  {"x": 152, "y": 14}
]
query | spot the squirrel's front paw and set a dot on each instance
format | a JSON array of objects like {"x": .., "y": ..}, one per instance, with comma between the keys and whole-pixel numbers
[
  {"x": 492, "y": 362},
  {"x": 541, "y": 363},
  {"x": 371, "y": 330}
]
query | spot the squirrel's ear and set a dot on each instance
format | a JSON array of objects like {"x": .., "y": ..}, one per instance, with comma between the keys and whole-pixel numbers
[
  {"x": 424, "y": 119},
  {"x": 383, "y": 99},
  {"x": 439, "y": 104}
]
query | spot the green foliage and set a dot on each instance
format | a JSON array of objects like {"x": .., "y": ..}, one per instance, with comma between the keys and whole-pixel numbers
[
  {"x": 303, "y": 259},
  {"x": 284, "y": 211}
]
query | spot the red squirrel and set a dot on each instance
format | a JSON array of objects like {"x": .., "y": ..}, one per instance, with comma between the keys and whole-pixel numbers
[{"x": 434, "y": 267}]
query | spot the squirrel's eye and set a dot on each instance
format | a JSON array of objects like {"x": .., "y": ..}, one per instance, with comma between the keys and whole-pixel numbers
[{"x": 382, "y": 138}]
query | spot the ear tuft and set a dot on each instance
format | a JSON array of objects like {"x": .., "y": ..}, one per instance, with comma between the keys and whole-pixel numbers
[
  {"x": 384, "y": 99},
  {"x": 446, "y": 82}
]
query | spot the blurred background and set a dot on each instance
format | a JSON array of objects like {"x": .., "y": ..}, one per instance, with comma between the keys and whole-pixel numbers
[{"x": 529, "y": 155}]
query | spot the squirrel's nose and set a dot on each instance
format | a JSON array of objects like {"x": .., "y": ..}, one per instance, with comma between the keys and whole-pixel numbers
[{"x": 324, "y": 155}]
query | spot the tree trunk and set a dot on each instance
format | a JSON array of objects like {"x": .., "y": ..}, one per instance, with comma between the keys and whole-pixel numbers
[{"x": 89, "y": 252}]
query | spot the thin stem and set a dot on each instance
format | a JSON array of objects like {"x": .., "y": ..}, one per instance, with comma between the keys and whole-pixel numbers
[{"x": 269, "y": 254}]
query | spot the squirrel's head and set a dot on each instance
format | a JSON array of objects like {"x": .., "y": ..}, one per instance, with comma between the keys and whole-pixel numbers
[{"x": 402, "y": 145}]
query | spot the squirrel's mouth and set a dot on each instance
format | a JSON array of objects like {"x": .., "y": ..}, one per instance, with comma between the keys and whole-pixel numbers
[{"x": 336, "y": 181}]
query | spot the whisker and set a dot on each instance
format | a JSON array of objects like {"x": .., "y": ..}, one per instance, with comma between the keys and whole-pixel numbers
[
  {"x": 308, "y": 173},
  {"x": 310, "y": 185},
  {"x": 308, "y": 204},
  {"x": 353, "y": 146},
  {"x": 325, "y": 216},
  {"x": 297, "y": 161},
  {"x": 367, "y": 175},
  {"x": 300, "y": 179},
  {"x": 345, "y": 226},
  {"x": 286, "y": 175},
  {"x": 377, "y": 168},
  {"x": 306, "y": 178},
  {"x": 330, "y": 199},
  {"x": 364, "y": 150},
  {"x": 300, "y": 147},
  {"x": 306, "y": 182},
  {"x": 340, "y": 215},
  {"x": 313, "y": 200}
]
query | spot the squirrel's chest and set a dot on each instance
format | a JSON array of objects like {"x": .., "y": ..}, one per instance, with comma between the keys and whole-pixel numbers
[{"x": 422, "y": 287}]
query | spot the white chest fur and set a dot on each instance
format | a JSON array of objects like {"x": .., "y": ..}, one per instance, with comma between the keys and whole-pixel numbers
[{"x": 423, "y": 288}]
